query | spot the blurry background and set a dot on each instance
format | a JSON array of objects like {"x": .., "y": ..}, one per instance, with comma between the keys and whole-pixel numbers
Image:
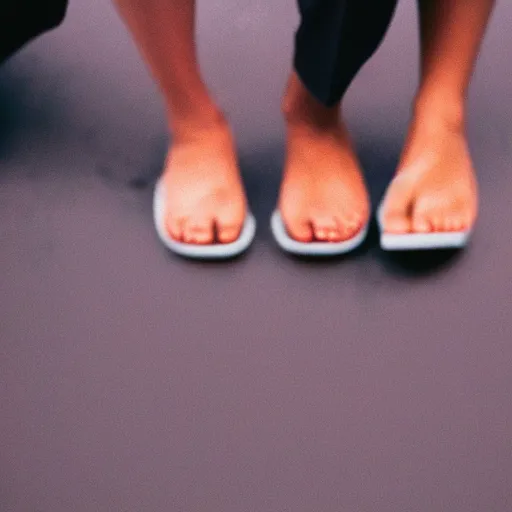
[{"x": 132, "y": 380}]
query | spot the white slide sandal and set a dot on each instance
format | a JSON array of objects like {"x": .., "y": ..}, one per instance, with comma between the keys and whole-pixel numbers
[
  {"x": 420, "y": 241},
  {"x": 215, "y": 251},
  {"x": 312, "y": 248}
]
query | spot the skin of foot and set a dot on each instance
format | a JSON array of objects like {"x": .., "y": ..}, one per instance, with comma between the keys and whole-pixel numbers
[
  {"x": 206, "y": 201},
  {"x": 205, "y": 197},
  {"x": 323, "y": 196},
  {"x": 435, "y": 188}
]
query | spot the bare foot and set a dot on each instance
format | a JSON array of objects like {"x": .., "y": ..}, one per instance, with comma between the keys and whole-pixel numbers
[
  {"x": 205, "y": 196},
  {"x": 323, "y": 195},
  {"x": 435, "y": 188}
]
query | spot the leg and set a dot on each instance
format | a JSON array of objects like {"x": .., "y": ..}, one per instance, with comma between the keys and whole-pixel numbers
[
  {"x": 205, "y": 191},
  {"x": 436, "y": 189},
  {"x": 323, "y": 195}
]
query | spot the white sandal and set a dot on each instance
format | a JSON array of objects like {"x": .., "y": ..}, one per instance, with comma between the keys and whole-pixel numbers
[{"x": 196, "y": 251}]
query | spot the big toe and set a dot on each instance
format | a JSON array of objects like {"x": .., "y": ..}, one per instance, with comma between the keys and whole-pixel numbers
[
  {"x": 396, "y": 220},
  {"x": 298, "y": 227},
  {"x": 229, "y": 224},
  {"x": 397, "y": 205}
]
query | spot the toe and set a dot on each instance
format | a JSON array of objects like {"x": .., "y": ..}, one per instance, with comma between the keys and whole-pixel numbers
[
  {"x": 175, "y": 228},
  {"x": 428, "y": 215},
  {"x": 201, "y": 237},
  {"x": 451, "y": 223},
  {"x": 199, "y": 231},
  {"x": 451, "y": 216},
  {"x": 299, "y": 228},
  {"x": 438, "y": 223},
  {"x": 356, "y": 223},
  {"x": 349, "y": 227},
  {"x": 396, "y": 221},
  {"x": 421, "y": 223},
  {"x": 353, "y": 229},
  {"x": 229, "y": 223},
  {"x": 459, "y": 224},
  {"x": 396, "y": 215},
  {"x": 228, "y": 233},
  {"x": 324, "y": 227},
  {"x": 334, "y": 235},
  {"x": 396, "y": 210}
]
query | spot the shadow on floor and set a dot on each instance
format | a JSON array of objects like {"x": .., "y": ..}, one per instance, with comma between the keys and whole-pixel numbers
[
  {"x": 30, "y": 105},
  {"x": 38, "y": 112}
]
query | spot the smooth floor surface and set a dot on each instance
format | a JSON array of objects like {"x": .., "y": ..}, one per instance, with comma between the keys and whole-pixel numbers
[{"x": 132, "y": 380}]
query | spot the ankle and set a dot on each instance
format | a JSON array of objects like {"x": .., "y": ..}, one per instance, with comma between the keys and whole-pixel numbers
[
  {"x": 302, "y": 117},
  {"x": 440, "y": 111},
  {"x": 301, "y": 109},
  {"x": 190, "y": 125}
]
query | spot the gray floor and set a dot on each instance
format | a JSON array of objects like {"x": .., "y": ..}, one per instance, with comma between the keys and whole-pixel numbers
[{"x": 132, "y": 380}]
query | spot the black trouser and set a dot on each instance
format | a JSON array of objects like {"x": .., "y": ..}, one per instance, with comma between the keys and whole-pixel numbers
[
  {"x": 335, "y": 39},
  {"x": 23, "y": 20}
]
